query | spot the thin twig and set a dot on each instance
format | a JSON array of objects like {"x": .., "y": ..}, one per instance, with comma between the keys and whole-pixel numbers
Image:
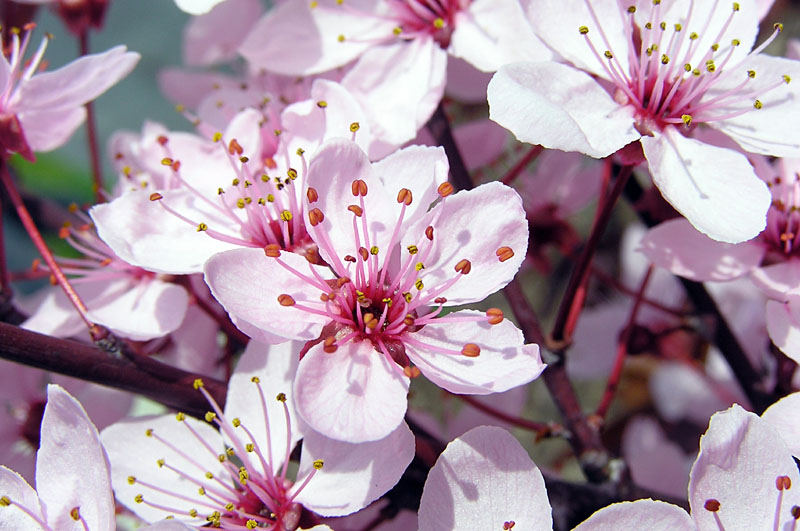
[
  {"x": 523, "y": 163},
  {"x": 91, "y": 131},
  {"x": 542, "y": 429}
]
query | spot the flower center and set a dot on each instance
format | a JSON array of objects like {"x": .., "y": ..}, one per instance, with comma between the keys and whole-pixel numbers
[
  {"x": 427, "y": 17},
  {"x": 783, "y": 217}
]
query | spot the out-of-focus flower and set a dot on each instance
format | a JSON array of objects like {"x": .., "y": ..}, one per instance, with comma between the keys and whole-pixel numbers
[
  {"x": 484, "y": 480},
  {"x": 239, "y": 476},
  {"x": 743, "y": 478},
  {"x": 374, "y": 311},
  {"x": 654, "y": 72},
  {"x": 197, "y": 7},
  {"x": 39, "y": 111}
]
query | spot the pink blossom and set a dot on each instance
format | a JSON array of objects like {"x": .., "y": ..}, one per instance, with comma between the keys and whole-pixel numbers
[
  {"x": 240, "y": 473},
  {"x": 655, "y": 73},
  {"x": 197, "y": 7},
  {"x": 744, "y": 478},
  {"x": 391, "y": 267},
  {"x": 40, "y": 111},
  {"x": 484, "y": 480}
]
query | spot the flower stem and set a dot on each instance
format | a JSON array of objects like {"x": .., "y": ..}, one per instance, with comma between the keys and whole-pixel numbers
[
  {"x": 521, "y": 164},
  {"x": 91, "y": 131}
]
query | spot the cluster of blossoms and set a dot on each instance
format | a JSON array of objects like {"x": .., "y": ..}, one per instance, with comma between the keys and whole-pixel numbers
[{"x": 320, "y": 254}]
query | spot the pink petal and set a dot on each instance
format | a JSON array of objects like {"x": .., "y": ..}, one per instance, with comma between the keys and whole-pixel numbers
[
  {"x": 353, "y": 394},
  {"x": 783, "y": 325},
  {"x": 559, "y": 107},
  {"x": 669, "y": 474},
  {"x": 190, "y": 88},
  {"x": 309, "y": 38},
  {"x": 353, "y": 475},
  {"x": 677, "y": 246},
  {"x": 193, "y": 346},
  {"x": 248, "y": 284},
  {"x": 78, "y": 82},
  {"x": 652, "y": 515},
  {"x": 51, "y": 313},
  {"x": 730, "y": 210},
  {"x": 399, "y": 85},
  {"x": 72, "y": 469},
  {"x": 466, "y": 83},
  {"x": 482, "y": 480},
  {"x": 18, "y": 491},
  {"x": 783, "y": 416},
  {"x": 491, "y": 33},
  {"x": 133, "y": 453},
  {"x": 275, "y": 367},
  {"x": 740, "y": 458},
  {"x": 577, "y": 185},
  {"x": 47, "y": 129},
  {"x": 205, "y": 43},
  {"x": 504, "y": 362},
  {"x": 779, "y": 281},
  {"x": 473, "y": 225},
  {"x": 481, "y": 142}
]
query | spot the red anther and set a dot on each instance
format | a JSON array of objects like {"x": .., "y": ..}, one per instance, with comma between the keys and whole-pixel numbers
[
  {"x": 315, "y": 217},
  {"x": 63, "y": 233},
  {"x": 105, "y": 261},
  {"x": 29, "y": 26},
  {"x": 508, "y": 525},
  {"x": 53, "y": 281},
  {"x": 273, "y": 250},
  {"x": 359, "y": 188},
  {"x": 411, "y": 371},
  {"x": 36, "y": 264},
  {"x": 404, "y": 196},
  {"x": 445, "y": 189},
  {"x": 329, "y": 345},
  {"x": 504, "y": 253},
  {"x": 440, "y": 300},
  {"x": 711, "y": 505},
  {"x": 234, "y": 148},
  {"x": 176, "y": 166},
  {"x": 355, "y": 209},
  {"x": 464, "y": 266},
  {"x": 270, "y": 163},
  {"x": 285, "y": 300},
  {"x": 350, "y": 258},
  {"x": 118, "y": 156},
  {"x": 471, "y": 350},
  {"x": 312, "y": 195},
  {"x": 162, "y": 140},
  {"x": 783, "y": 483},
  {"x": 429, "y": 233},
  {"x": 495, "y": 315},
  {"x": 85, "y": 227},
  {"x": 363, "y": 253},
  {"x": 795, "y": 512}
]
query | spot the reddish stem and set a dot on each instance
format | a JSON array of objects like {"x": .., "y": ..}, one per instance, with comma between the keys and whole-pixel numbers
[
  {"x": 622, "y": 348},
  {"x": 91, "y": 131},
  {"x": 526, "y": 159},
  {"x": 616, "y": 284},
  {"x": 97, "y": 332},
  {"x": 540, "y": 428}
]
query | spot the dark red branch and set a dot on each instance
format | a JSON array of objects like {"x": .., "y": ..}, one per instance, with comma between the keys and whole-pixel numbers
[{"x": 529, "y": 157}]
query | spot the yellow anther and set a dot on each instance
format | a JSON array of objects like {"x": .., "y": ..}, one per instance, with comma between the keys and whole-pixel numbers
[
  {"x": 291, "y": 173},
  {"x": 148, "y": 432},
  {"x": 235, "y": 182},
  {"x": 678, "y": 27},
  {"x": 664, "y": 59},
  {"x": 412, "y": 249},
  {"x": 757, "y": 104},
  {"x": 318, "y": 464},
  {"x": 209, "y": 475},
  {"x": 201, "y": 227},
  {"x": 180, "y": 416},
  {"x": 648, "y": 25},
  {"x": 583, "y": 30},
  {"x": 286, "y": 215},
  {"x": 663, "y": 26},
  {"x": 201, "y": 491},
  {"x": 710, "y": 66},
  {"x": 255, "y": 379},
  {"x": 131, "y": 480},
  {"x": 210, "y": 416},
  {"x": 300, "y": 152},
  {"x": 374, "y": 250},
  {"x": 736, "y": 6},
  {"x": 241, "y": 202},
  {"x": 221, "y": 458},
  {"x": 355, "y": 126},
  {"x": 160, "y": 462},
  {"x": 197, "y": 383},
  {"x": 314, "y": 4},
  {"x": 608, "y": 54},
  {"x": 694, "y": 36},
  {"x": 419, "y": 266},
  {"x": 229, "y": 506},
  {"x": 217, "y": 136},
  {"x": 397, "y": 30},
  {"x": 735, "y": 42},
  {"x": 715, "y": 47},
  {"x": 249, "y": 447},
  {"x": 751, "y": 74},
  {"x": 166, "y": 161},
  {"x": 340, "y": 38},
  {"x": 236, "y": 422},
  {"x": 631, "y": 9},
  {"x": 687, "y": 119},
  {"x": 418, "y": 284},
  {"x": 75, "y": 514},
  {"x": 786, "y": 79},
  {"x": 251, "y": 524},
  {"x": 193, "y": 513},
  {"x": 138, "y": 498},
  {"x": 778, "y": 26},
  {"x": 281, "y": 397},
  {"x": 438, "y": 23}
]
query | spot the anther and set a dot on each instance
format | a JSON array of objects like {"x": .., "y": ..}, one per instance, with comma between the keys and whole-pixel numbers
[
  {"x": 210, "y": 416},
  {"x": 757, "y": 104},
  {"x": 155, "y": 196},
  {"x": 583, "y": 30},
  {"x": 404, "y": 196},
  {"x": 286, "y": 215},
  {"x": 329, "y": 345},
  {"x": 411, "y": 371},
  {"x": 273, "y": 250},
  {"x": 412, "y": 249},
  {"x": 464, "y": 266},
  {"x": 711, "y": 505},
  {"x": 363, "y": 253},
  {"x": 312, "y": 195},
  {"x": 166, "y": 161},
  {"x": 280, "y": 397},
  {"x": 495, "y": 315},
  {"x": 358, "y": 188},
  {"x": 285, "y": 300},
  {"x": 234, "y": 148},
  {"x": 687, "y": 119},
  {"x": 138, "y": 498},
  {"x": 440, "y": 300},
  {"x": 795, "y": 512},
  {"x": 355, "y": 126},
  {"x": 445, "y": 189},
  {"x": 197, "y": 383},
  {"x": 202, "y": 227},
  {"x": 508, "y": 525},
  {"x": 504, "y": 253},
  {"x": 315, "y": 217},
  {"x": 429, "y": 233},
  {"x": 471, "y": 350},
  {"x": 355, "y": 209},
  {"x": 783, "y": 483},
  {"x": 322, "y": 104},
  {"x": 318, "y": 464},
  {"x": 180, "y": 416},
  {"x": 350, "y": 258}
]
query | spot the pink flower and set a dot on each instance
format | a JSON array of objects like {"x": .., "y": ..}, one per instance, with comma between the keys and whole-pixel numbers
[
  {"x": 400, "y": 48},
  {"x": 744, "y": 478},
  {"x": 39, "y": 111},
  {"x": 240, "y": 474},
  {"x": 374, "y": 310},
  {"x": 484, "y": 480},
  {"x": 197, "y": 7},
  {"x": 654, "y": 73},
  {"x": 770, "y": 260}
]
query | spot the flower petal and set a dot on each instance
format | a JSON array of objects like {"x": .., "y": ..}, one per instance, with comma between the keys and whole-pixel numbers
[
  {"x": 72, "y": 469},
  {"x": 353, "y": 394},
  {"x": 504, "y": 362},
  {"x": 648, "y": 514},
  {"x": 483, "y": 480},
  {"x": 783, "y": 325},
  {"x": 783, "y": 416},
  {"x": 204, "y": 43},
  {"x": 559, "y": 107},
  {"x": 18, "y": 491},
  {"x": 716, "y": 189}
]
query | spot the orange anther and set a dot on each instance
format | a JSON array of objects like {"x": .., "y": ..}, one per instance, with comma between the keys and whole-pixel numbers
[
  {"x": 273, "y": 250},
  {"x": 411, "y": 371},
  {"x": 404, "y": 196},
  {"x": 105, "y": 261},
  {"x": 504, "y": 253},
  {"x": 312, "y": 195},
  {"x": 36, "y": 264},
  {"x": 315, "y": 217},
  {"x": 495, "y": 315},
  {"x": 464, "y": 266},
  {"x": 783, "y": 483},
  {"x": 429, "y": 233},
  {"x": 364, "y": 253},
  {"x": 355, "y": 209},
  {"x": 445, "y": 189},
  {"x": 408, "y": 320},
  {"x": 234, "y": 148},
  {"x": 370, "y": 321},
  {"x": 63, "y": 232},
  {"x": 329, "y": 345},
  {"x": 359, "y": 188},
  {"x": 162, "y": 140},
  {"x": 341, "y": 281},
  {"x": 285, "y": 300},
  {"x": 471, "y": 350},
  {"x": 176, "y": 166},
  {"x": 711, "y": 505}
]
